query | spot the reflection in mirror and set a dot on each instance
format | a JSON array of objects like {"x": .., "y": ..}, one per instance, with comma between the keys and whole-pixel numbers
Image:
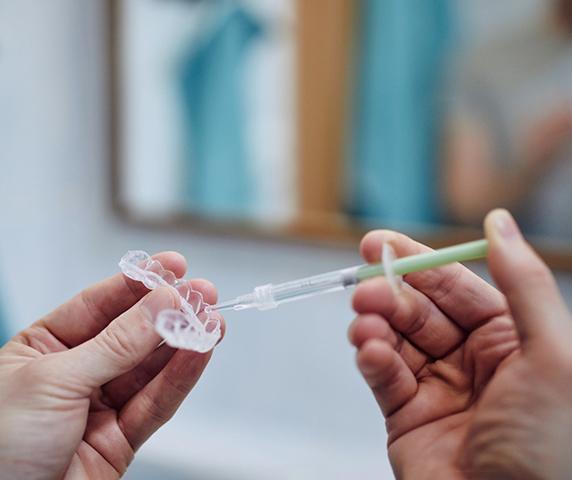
[
  {"x": 326, "y": 118},
  {"x": 508, "y": 124},
  {"x": 207, "y": 102}
]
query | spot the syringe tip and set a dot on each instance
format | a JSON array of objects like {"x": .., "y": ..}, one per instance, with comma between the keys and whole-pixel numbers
[
  {"x": 239, "y": 303},
  {"x": 228, "y": 305}
]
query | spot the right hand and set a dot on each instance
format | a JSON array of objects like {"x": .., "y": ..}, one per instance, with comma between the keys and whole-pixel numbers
[{"x": 474, "y": 383}]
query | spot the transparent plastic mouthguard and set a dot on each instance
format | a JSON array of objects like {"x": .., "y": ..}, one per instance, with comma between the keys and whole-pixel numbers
[{"x": 194, "y": 326}]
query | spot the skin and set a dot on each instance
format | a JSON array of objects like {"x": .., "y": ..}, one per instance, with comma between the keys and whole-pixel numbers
[
  {"x": 84, "y": 387},
  {"x": 474, "y": 382},
  {"x": 474, "y": 183}
]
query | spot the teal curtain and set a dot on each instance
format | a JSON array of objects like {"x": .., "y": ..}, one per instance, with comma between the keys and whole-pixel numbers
[
  {"x": 396, "y": 118},
  {"x": 217, "y": 180}
]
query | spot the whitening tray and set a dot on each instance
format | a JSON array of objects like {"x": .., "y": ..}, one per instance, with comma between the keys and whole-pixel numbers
[{"x": 194, "y": 326}]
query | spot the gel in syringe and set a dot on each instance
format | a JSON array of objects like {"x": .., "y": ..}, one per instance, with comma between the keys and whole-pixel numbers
[{"x": 269, "y": 296}]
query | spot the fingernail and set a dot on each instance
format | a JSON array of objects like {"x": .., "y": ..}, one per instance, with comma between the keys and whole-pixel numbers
[
  {"x": 504, "y": 225},
  {"x": 156, "y": 301}
]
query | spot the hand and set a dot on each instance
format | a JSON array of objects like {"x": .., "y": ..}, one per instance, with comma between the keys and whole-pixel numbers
[
  {"x": 546, "y": 138},
  {"x": 84, "y": 387},
  {"x": 473, "y": 383}
]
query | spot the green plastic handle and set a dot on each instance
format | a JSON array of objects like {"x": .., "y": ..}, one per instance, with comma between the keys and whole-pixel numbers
[{"x": 457, "y": 253}]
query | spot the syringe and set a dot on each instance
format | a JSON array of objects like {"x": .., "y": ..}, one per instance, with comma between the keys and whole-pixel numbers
[{"x": 270, "y": 296}]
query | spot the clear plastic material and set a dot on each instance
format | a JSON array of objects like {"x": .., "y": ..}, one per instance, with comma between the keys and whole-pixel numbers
[
  {"x": 194, "y": 326},
  {"x": 270, "y": 296}
]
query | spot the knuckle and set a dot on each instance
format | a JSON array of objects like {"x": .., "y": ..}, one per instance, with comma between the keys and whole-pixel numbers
[
  {"x": 367, "y": 295},
  {"x": 372, "y": 236},
  {"x": 367, "y": 326},
  {"x": 374, "y": 239},
  {"x": 116, "y": 341},
  {"x": 445, "y": 285},
  {"x": 95, "y": 312},
  {"x": 179, "y": 386},
  {"x": 155, "y": 410},
  {"x": 416, "y": 318}
]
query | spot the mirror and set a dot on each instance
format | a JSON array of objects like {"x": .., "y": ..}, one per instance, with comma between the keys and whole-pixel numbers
[{"x": 321, "y": 120}]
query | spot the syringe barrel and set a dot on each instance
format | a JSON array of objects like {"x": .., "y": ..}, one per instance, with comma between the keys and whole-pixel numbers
[{"x": 307, "y": 287}]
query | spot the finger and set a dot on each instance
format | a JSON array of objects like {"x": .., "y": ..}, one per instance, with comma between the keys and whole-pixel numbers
[
  {"x": 486, "y": 348},
  {"x": 160, "y": 398},
  {"x": 119, "y": 390},
  {"x": 530, "y": 289},
  {"x": 90, "y": 311},
  {"x": 412, "y": 314},
  {"x": 385, "y": 372},
  {"x": 463, "y": 296},
  {"x": 206, "y": 288},
  {"x": 372, "y": 326},
  {"x": 123, "y": 344}
]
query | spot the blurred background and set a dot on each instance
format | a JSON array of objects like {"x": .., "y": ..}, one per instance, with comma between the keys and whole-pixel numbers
[
  {"x": 305, "y": 118},
  {"x": 198, "y": 125}
]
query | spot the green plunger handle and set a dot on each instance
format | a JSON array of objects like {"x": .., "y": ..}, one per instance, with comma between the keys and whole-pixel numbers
[{"x": 415, "y": 263}]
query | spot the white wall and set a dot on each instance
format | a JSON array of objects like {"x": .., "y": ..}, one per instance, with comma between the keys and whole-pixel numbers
[{"x": 282, "y": 398}]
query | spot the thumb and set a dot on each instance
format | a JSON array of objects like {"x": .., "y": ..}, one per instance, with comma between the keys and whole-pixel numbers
[
  {"x": 530, "y": 289},
  {"x": 124, "y": 343}
]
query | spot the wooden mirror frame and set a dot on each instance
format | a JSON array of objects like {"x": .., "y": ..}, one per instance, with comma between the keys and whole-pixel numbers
[{"x": 325, "y": 29}]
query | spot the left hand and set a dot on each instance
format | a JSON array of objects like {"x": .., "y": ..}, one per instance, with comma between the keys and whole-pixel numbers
[{"x": 84, "y": 387}]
